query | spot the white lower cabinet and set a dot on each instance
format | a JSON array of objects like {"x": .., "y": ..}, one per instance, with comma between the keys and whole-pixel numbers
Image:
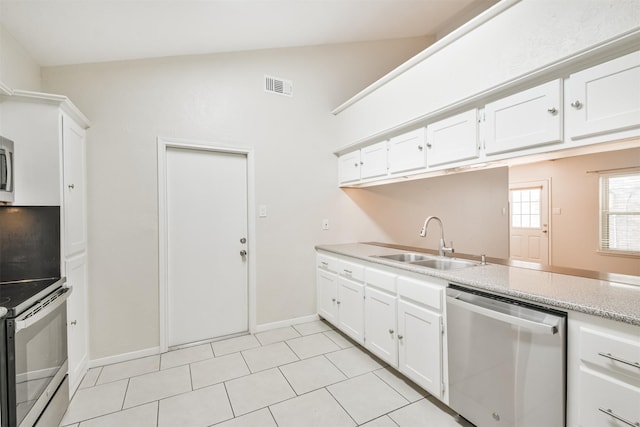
[
  {"x": 396, "y": 315},
  {"x": 351, "y": 309},
  {"x": 420, "y": 346},
  {"x": 603, "y": 372},
  {"x": 380, "y": 325}
]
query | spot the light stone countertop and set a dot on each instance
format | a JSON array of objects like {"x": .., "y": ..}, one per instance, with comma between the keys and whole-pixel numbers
[{"x": 611, "y": 300}]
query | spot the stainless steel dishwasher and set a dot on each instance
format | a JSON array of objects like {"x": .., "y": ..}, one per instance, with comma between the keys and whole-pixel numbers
[{"x": 507, "y": 360}]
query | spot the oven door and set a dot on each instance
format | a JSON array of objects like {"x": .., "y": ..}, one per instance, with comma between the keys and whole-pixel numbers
[{"x": 36, "y": 356}]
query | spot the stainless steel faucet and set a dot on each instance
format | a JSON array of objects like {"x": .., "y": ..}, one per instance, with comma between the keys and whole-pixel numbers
[{"x": 442, "y": 249}]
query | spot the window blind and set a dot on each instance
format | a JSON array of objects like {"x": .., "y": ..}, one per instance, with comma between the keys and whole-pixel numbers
[{"x": 620, "y": 212}]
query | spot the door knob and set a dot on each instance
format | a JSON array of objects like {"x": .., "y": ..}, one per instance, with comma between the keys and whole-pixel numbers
[{"x": 243, "y": 253}]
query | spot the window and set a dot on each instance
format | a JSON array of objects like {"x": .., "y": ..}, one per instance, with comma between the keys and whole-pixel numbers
[
  {"x": 525, "y": 208},
  {"x": 620, "y": 212}
]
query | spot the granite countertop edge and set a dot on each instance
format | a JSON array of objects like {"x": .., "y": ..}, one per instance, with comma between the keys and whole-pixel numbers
[{"x": 596, "y": 297}]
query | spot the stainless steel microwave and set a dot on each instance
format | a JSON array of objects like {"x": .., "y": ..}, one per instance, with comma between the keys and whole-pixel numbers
[{"x": 6, "y": 170}]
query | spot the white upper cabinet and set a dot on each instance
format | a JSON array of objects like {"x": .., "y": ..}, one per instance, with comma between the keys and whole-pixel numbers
[
  {"x": 349, "y": 167},
  {"x": 526, "y": 119},
  {"x": 453, "y": 139},
  {"x": 407, "y": 152},
  {"x": 373, "y": 159},
  {"x": 605, "y": 98}
]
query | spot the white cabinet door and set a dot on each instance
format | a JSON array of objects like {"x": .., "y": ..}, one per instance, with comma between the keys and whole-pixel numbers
[
  {"x": 73, "y": 146},
  {"x": 351, "y": 309},
  {"x": 380, "y": 325},
  {"x": 327, "y": 288},
  {"x": 605, "y": 98},
  {"x": 407, "y": 152},
  {"x": 77, "y": 327},
  {"x": 373, "y": 159},
  {"x": 349, "y": 167},
  {"x": 453, "y": 139},
  {"x": 527, "y": 119},
  {"x": 420, "y": 346}
]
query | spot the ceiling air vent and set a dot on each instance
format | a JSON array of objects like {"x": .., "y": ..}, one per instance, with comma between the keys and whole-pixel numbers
[{"x": 278, "y": 86}]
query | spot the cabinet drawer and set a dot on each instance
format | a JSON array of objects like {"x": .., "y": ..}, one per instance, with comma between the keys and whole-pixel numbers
[
  {"x": 381, "y": 279},
  {"x": 351, "y": 270},
  {"x": 327, "y": 263},
  {"x": 421, "y": 292},
  {"x": 613, "y": 353},
  {"x": 605, "y": 401}
]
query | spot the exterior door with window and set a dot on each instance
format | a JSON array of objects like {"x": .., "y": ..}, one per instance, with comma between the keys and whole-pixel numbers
[{"x": 529, "y": 230}]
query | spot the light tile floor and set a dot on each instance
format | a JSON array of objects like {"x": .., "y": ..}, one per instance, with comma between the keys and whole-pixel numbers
[{"x": 308, "y": 375}]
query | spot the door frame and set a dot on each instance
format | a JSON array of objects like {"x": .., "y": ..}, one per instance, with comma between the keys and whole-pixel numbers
[
  {"x": 545, "y": 182},
  {"x": 163, "y": 144}
]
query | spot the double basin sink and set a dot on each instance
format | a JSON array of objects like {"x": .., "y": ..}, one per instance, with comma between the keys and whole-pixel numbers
[{"x": 435, "y": 262}]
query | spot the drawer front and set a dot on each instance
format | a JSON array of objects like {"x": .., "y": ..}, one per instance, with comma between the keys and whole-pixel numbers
[
  {"x": 605, "y": 401},
  {"x": 351, "y": 270},
  {"x": 327, "y": 263},
  {"x": 613, "y": 353},
  {"x": 380, "y": 279},
  {"x": 421, "y": 292}
]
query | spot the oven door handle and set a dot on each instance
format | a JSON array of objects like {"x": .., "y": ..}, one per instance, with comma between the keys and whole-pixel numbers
[{"x": 43, "y": 308}]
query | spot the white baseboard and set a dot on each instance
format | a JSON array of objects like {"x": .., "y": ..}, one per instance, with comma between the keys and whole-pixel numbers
[
  {"x": 284, "y": 323},
  {"x": 124, "y": 357}
]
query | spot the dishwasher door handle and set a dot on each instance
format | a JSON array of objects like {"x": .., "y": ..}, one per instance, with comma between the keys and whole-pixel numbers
[{"x": 518, "y": 321}]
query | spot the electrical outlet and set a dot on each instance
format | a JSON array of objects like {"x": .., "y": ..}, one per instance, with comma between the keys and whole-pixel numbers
[{"x": 325, "y": 224}]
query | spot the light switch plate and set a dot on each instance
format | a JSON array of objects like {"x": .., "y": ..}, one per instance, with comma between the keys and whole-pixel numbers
[
  {"x": 325, "y": 224},
  {"x": 262, "y": 211}
]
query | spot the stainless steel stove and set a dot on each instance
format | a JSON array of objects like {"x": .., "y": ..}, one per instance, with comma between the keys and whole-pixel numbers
[{"x": 33, "y": 334}]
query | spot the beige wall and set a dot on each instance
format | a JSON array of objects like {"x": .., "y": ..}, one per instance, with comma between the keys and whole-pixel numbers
[
  {"x": 18, "y": 70},
  {"x": 469, "y": 204},
  {"x": 574, "y": 232},
  {"x": 217, "y": 98}
]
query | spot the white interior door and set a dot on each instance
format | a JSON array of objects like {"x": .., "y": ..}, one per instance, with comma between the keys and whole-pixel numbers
[
  {"x": 207, "y": 277},
  {"x": 529, "y": 229}
]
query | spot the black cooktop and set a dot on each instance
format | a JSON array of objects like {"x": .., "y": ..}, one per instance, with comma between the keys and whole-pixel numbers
[{"x": 18, "y": 296}]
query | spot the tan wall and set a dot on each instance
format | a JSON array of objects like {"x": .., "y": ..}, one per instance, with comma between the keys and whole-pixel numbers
[
  {"x": 574, "y": 232},
  {"x": 470, "y": 206},
  {"x": 216, "y": 98}
]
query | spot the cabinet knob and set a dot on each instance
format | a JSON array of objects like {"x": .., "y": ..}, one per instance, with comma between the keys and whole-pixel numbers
[
  {"x": 391, "y": 331},
  {"x": 553, "y": 111},
  {"x": 576, "y": 104},
  {"x": 400, "y": 337},
  {"x": 74, "y": 323},
  {"x": 71, "y": 186},
  {"x": 333, "y": 300},
  {"x": 243, "y": 253},
  {"x": 338, "y": 302},
  {"x": 429, "y": 145},
  {"x": 420, "y": 147},
  {"x": 355, "y": 165}
]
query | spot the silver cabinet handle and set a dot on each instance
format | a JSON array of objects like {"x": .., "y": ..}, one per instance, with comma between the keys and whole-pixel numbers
[
  {"x": 355, "y": 165},
  {"x": 333, "y": 300},
  {"x": 429, "y": 145},
  {"x": 618, "y": 417},
  {"x": 617, "y": 359},
  {"x": 74, "y": 323},
  {"x": 243, "y": 253},
  {"x": 420, "y": 147},
  {"x": 553, "y": 111},
  {"x": 576, "y": 104},
  {"x": 400, "y": 337},
  {"x": 338, "y": 302},
  {"x": 349, "y": 272},
  {"x": 71, "y": 186},
  {"x": 391, "y": 331}
]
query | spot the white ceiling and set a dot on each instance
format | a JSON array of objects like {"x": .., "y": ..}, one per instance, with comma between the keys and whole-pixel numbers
[{"x": 58, "y": 32}]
